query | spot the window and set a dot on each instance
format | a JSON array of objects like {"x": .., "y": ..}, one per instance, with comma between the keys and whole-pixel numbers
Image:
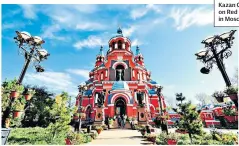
[
  {"x": 101, "y": 76},
  {"x": 106, "y": 73},
  {"x": 119, "y": 44}
]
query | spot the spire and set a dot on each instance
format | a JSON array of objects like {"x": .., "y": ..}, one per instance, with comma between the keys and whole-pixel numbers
[
  {"x": 101, "y": 53},
  {"x": 137, "y": 50},
  {"x": 119, "y": 31}
]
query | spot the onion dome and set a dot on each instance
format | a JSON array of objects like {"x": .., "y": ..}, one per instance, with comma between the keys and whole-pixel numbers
[
  {"x": 139, "y": 59},
  {"x": 100, "y": 58}
]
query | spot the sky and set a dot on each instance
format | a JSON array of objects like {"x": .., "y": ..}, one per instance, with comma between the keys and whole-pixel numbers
[{"x": 168, "y": 36}]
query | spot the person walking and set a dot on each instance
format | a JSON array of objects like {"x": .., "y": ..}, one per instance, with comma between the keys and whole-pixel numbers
[
  {"x": 122, "y": 122},
  {"x": 119, "y": 121},
  {"x": 107, "y": 122}
]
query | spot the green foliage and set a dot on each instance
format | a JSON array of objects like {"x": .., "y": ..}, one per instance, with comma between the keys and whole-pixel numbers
[
  {"x": 28, "y": 136},
  {"x": 19, "y": 104},
  {"x": 7, "y": 87},
  {"x": 190, "y": 119},
  {"x": 39, "y": 112},
  {"x": 29, "y": 91},
  {"x": 231, "y": 90},
  {"x": 228, "y": 111},
  {"x": 218, "y": 94},
  {"x": 62, "y": 115}
]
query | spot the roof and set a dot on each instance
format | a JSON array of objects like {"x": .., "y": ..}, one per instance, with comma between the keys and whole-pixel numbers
[
  {"x": 101, "y": 53},
  {"x": 152, "y": 82},
  {"x": 120, "y": 85},
  {"x": 152, "y": 91},
  {"x": 88, "y": 92},
  {"x": 138, "y": 51}
]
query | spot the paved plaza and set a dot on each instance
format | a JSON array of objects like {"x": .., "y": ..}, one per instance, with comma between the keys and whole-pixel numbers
[{"x": 120, "y": 137}]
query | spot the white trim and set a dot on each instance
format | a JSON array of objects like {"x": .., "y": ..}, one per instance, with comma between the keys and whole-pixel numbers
[
  {"x": 129, "y": 104},
  {"x": 110, "y": 105},
  {"x": 120, "y": 94},
  {"x": 134, "y": 108},
  {"x": 120, "y": 62}
]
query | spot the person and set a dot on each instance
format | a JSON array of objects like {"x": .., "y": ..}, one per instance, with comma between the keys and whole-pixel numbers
[
  {"x": 107, "y": 122},
  {"x": 119, "y": 121},
  {"x": 122, "y": 121}
]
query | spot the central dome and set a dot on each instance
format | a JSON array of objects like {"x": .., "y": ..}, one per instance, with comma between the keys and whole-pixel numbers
[{"x": 120, "y": 85}]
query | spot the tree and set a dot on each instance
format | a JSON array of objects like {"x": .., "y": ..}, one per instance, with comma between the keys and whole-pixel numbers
[
  {"x": 180, "y": 97},
  {"x": 234, "y": 79},
  {"x": 38, "y": 110},
  {"x": 62, "y": 115},
  {"x": 190, "y": 119},
  {"x": 203, "y": 98}
]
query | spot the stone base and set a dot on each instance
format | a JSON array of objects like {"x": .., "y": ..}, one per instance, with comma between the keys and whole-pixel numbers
[
  {"x": 98, "y": 123},
  {"x": 142, "y": 123}
]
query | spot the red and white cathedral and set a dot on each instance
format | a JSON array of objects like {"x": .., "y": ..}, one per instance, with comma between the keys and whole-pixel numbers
[{"x": 120, "y": 73}]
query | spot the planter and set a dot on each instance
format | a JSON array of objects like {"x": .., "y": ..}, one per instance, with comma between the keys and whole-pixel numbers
[
  {"x": 230, "y": 118},
  {"x": 99, "y": 131},
  {"x": 233, "y": 96},
  {"x": 219, "y": 99},
  {"x": 28, "y": 96},
  {"x": 17, "y": 114},
  {"x": 172, "y": 142},
  {"x": 68, "y": 141},
  {"x": 15, "y": 94}
]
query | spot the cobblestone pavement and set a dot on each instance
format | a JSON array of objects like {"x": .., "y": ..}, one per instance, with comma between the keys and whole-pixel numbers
[{"x": 120, "y": 137}]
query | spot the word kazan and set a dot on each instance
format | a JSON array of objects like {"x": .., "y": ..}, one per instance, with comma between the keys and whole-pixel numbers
[{"x": 223, "y": 5}]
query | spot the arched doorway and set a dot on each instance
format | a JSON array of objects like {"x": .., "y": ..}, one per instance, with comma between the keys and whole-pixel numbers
[
  {"x": 120, "y": 106},
  {"x": 119, "y": 72}
]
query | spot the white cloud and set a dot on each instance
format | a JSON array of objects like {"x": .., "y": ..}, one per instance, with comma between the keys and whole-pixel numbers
[
  {"x": 90, "y": 42},
  {"x": 29, "y": 11},
  {"x": 185, "y": 17},
  {"x": 49, "y": 32},
  {"x": 54, "y": 81},
  {"x": 90, "y": 26},
  {"x": 136, "y": 42},
  {"x": 82, "y": 72},
  {"x": 128, "y": 31},
  {"x": 140, "y": 12}
]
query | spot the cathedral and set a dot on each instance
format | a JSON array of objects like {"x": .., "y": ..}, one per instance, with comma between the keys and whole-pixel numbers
[{"x": 120, "y": 76}]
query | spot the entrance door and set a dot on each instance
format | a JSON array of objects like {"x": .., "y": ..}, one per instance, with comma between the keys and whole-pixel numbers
[{"x": 120, "y": 106}]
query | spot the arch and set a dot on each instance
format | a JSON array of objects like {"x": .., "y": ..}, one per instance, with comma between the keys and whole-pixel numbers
[
  {"x": 120, "y": 63},
  {"x": 123, "y": 95},
  {"x": 120, "y": 104},
  {"x": 120, "y": 44}
]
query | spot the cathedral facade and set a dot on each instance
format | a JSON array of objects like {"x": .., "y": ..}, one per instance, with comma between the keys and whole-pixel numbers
[{"x": 120, "y": 75}]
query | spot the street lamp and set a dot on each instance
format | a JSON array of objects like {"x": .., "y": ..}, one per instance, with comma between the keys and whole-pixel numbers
[
  {"x": 82, "y": 88},
  {"x": 158, "y": 90},
  {"x": 216, "y": 49},
  {"x": 30, "y": 47}
]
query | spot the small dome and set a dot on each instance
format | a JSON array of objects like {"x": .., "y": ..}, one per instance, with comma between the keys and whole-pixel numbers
[
  {"x": 120, "y": 85},
  {"x": 119, "y": 31}
]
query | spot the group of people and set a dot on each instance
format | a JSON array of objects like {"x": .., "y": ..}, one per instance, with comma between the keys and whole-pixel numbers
[{"x": 121, "y": 119}]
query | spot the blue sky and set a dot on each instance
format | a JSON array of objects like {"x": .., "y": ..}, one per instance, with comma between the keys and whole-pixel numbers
[{"x": 168, "y": 35}]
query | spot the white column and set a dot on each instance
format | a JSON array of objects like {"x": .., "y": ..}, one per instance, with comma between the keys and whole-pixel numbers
[
  {"x": 96, "y": 98},
  {"x": 116, "y": 46},
  {"x": 123, "y": 45},
  {"x": 110, "y": 48},
  {"x": 106, "y": 73}
]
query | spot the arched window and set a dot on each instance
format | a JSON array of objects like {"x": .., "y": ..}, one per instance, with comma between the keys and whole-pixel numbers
[
  {"x": 120, "y": 44},
  {"x": 101, "y": 76},
  {"x": 113, "y": 45},
  {"x": 119, "y": 72}
]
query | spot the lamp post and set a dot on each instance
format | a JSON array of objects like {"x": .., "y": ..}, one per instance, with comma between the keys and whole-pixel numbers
[
  {"x": 30, "y": 47},
  {"x": 82, "y": 88},
  {"x": 158, "y": 89},
  {"x": 216, "y": 49}
]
